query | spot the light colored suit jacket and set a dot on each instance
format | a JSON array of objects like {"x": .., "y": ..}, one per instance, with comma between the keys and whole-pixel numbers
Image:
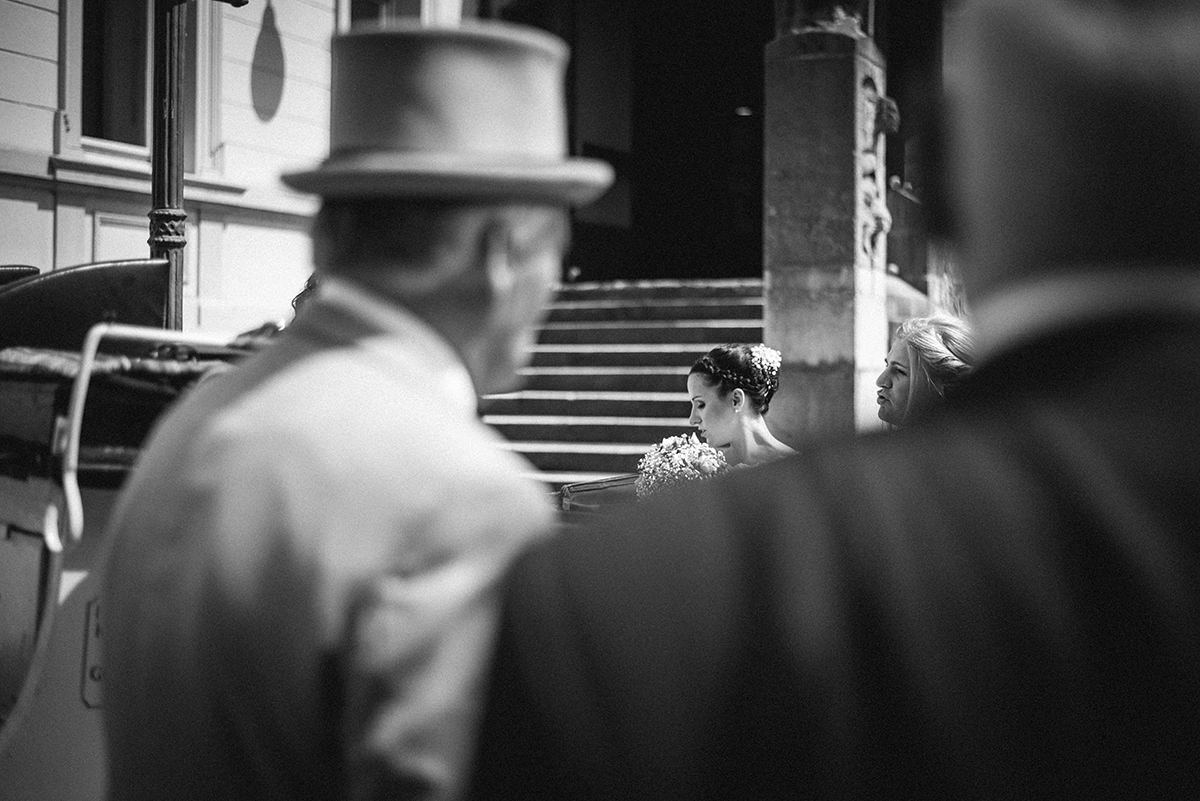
[{"x": 299, "y": 590}]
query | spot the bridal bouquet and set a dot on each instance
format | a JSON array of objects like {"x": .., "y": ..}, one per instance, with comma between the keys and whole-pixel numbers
[{"x": 676, "y": 460}]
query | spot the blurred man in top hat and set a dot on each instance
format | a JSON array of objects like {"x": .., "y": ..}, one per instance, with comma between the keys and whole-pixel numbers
[
  {"x": 300, "y": 593},
  {"x": 1003, "y": 603}
]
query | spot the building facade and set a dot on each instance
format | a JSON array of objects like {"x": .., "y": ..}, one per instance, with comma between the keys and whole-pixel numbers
[
  {"x": 75, "y": 121},
  {"x": 671, "y": 93}
]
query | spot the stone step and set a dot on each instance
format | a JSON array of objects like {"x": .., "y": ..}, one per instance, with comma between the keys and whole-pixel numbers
[
  {"x": 633, "y": 291},
  {"x": 613, "y": 404},
  {"x": 734, "y": 308},
  {"x": 581, "y": 429},
  {"x": 608, "y": 377},
  {"x": 668, "y": 356},
  {"x": 581, "y": 457},
  {"x": 629, "y": 332},
  {"x": 605, "y": 379}
]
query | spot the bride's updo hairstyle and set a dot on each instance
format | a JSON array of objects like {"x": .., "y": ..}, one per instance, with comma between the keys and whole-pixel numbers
[{"x": 754, "y": 369}]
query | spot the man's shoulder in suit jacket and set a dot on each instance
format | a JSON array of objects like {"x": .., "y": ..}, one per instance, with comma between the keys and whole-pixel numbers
[{"x": 1002, "y": 603}]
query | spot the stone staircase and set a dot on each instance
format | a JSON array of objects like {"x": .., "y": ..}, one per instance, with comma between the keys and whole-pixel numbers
[{"x": 609, "y": 372}]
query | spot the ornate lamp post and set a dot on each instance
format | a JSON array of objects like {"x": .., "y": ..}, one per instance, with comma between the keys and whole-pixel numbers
[{"x": 168, "y": 234}]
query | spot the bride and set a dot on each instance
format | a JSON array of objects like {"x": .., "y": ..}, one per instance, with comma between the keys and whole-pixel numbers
[{"x": 731, "y": 388}]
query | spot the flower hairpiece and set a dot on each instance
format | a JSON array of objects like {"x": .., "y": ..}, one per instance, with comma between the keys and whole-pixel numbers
[
  {"x": 676, "y": 460},
  {"x": 765, "y": 361}
]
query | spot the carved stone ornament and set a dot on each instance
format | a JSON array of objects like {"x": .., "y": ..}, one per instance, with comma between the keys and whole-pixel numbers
[
  {"x": 827, "y": 16},
  {"x": 877, "y": 115}
]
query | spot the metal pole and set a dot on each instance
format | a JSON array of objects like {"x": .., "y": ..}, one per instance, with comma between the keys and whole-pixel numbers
[{"x": 168, "y": 232}]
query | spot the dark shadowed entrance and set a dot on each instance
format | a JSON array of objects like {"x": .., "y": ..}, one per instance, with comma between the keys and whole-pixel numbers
[
  {"x": 670, "y": 93},
  {"x": 697, "y": 137}
]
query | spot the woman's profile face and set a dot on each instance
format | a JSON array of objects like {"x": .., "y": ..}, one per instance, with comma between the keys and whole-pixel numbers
[
  {"x": 895, "y": 385},
  {"x": 712, "y": 415}
]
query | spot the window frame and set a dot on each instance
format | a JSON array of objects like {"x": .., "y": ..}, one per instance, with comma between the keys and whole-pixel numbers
[
  {"x": 428, "y": 12},
  {"x": 86, "y": 154}
]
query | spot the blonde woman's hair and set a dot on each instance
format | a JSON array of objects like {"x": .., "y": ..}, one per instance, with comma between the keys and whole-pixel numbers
[{"x": 943, "y": 346}]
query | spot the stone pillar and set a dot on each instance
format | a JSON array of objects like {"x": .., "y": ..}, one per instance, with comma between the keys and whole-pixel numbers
[{"x": 825, "y": 225}]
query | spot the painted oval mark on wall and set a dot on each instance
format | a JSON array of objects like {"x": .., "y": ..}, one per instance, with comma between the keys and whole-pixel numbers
[{"x": 267, "y": 71}]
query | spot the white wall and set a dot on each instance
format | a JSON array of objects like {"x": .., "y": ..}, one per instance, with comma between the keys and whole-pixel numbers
[
  {"x": 63, "y": 204},
  {"x": 259, "y": 40},
  {"x": 27, "y": 225},
  {"x": 248, "y": 275},
  {"x": 28, "y": 73}
]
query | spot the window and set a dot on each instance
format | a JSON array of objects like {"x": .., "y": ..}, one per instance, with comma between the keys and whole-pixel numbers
[
  {"x": 116, "y": 75},
  {"x": 116, "y": 78},
  {"x": 429, "y": 11},
  {"x": 383, "y": 10}
]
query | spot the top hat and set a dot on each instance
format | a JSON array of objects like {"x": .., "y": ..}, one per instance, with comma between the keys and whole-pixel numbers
[
  {"x": 473, "y": 112},
  {"x": 1074, "y": 134}
]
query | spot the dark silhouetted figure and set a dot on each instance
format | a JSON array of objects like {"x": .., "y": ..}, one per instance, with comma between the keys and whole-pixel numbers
[{"x": 1001, "y": 603}]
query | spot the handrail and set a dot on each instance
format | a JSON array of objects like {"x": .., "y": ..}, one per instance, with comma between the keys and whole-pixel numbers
[{"x": 70, "y": 433}]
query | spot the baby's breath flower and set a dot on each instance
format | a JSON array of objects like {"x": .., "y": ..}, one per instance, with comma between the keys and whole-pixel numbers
[
  {"x": 676, "y": 460},
  {"x": 766, "y": 361}
]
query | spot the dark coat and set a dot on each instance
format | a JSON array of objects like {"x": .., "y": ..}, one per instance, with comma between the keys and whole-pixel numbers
[{"x": 1002, "y": 603}]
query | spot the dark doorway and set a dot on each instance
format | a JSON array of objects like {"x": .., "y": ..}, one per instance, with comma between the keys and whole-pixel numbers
[
  {"x": 671, "y": 94},
  {"x": 697, "y": 137}
]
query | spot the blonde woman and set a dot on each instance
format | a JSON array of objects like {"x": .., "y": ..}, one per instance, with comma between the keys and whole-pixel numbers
[{"x": 928, "y": 359}]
